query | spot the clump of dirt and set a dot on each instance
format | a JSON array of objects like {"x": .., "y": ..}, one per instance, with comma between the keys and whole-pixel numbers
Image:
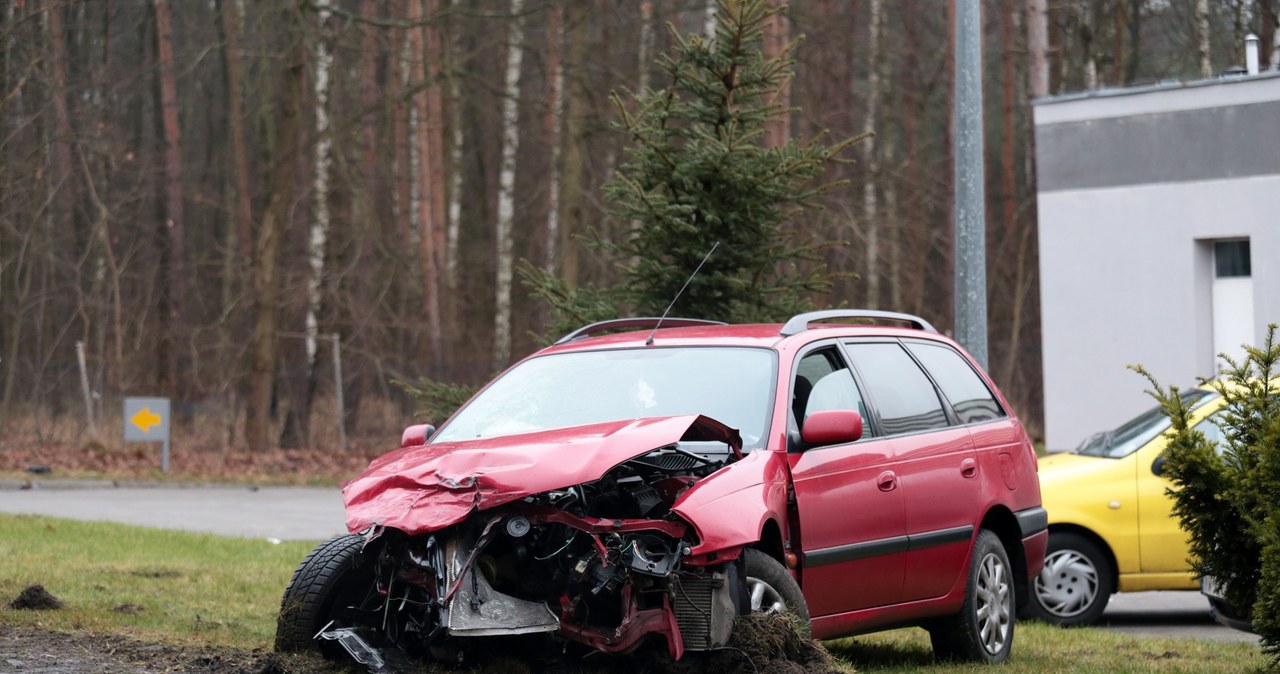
[
  {"x": 777, "y": 644},
  {"x": 760, "y": 644},
  {"x": 128, "y": 609},
  {"x": 36, "y": 598}
]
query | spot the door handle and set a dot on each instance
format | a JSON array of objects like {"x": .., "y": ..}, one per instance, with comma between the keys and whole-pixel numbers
[
  {"x": 888, "y": 481},
  {"x": 969, "y": 467}
]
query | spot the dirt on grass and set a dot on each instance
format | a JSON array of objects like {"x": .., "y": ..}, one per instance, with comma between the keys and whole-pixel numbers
[
  {"x": 35, "y": 598},
  {"x": 29, "y": 650},
  {"x": 761, "y": 644}
]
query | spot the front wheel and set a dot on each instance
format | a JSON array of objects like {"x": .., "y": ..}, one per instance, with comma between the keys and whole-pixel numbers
[
  {"x": 332, "y": 577},
  {"x": 1075, "y": 585},
  {"x": 983, "y": 630},
  {"x": 771, "y": 587}
]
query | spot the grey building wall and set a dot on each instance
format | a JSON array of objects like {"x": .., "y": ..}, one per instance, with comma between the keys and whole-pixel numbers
[{"x": 1134, "y": 188}]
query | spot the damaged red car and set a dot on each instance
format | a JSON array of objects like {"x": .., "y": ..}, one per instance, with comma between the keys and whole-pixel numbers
[{"x": 644, "y": 488}]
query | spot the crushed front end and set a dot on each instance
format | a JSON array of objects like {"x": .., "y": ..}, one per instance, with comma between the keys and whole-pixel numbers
[{"x": 603, "y": 563}]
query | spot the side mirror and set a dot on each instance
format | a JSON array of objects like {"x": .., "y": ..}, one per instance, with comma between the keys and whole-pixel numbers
[
  {"x": 1157, "y": 466},
  {"x": 832, "y": 427},
  {"x": 416, "y": 434}
]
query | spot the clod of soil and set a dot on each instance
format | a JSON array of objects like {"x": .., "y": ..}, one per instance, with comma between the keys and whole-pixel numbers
[
  {"x": 35, "y": 598},
  {"x": 128, "y": 609},
  {"x": 764, "y": 644}
]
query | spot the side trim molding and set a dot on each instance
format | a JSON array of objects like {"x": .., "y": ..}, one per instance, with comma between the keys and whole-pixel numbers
[{"x": 888, "y": 546}]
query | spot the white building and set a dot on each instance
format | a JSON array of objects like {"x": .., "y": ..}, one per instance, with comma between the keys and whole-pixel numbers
[{"x": 1159, "y": 240}]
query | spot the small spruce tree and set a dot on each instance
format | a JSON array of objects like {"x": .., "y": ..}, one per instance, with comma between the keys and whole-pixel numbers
[
  {"x": 1228, "y": 498},
  {"x": 697, "y": 173}
]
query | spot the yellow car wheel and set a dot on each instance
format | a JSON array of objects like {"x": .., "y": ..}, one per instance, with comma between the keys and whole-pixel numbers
[{"x": 1076, "y": 583}]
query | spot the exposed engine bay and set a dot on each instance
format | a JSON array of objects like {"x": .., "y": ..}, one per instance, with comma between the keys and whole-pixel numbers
[{"x": 604, "y": 564}]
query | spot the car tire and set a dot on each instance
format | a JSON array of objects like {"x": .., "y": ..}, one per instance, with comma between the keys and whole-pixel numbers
[
  {"x": 983, "y": 630},
  {"x": 771, "y": 588},
  {"x": 328, "y": 579},
  {"x": 1076, "y": 583}
]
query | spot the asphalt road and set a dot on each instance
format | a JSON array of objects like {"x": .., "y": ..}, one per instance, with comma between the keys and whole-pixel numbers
[{"x": 314, "y": 513}]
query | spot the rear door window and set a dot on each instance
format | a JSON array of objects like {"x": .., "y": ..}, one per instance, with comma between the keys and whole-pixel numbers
[
  {"x": 900, "y": 391},
  {"x": 970, "y": 398}
]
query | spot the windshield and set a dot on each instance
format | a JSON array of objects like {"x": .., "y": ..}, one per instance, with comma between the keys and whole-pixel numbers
[
  {"x": 1138, "y": 431},
  {"x": 731, "y": 385}
]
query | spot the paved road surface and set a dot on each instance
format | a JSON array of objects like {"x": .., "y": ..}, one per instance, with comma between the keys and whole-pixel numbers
[
  {"x": 286, "y": 513},
  {"x": 306, "y": 513}
]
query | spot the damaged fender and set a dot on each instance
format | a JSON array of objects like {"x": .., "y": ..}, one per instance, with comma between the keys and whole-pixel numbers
[{"x": 729, "y": 509}]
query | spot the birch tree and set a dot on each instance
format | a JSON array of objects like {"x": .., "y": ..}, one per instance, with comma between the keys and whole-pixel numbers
[
  {"x": 506, "y": 188},
  {"x": 870, "y": 214}
]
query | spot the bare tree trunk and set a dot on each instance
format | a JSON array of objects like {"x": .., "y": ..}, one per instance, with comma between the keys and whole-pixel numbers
[
  {"x": 275, "y": 223},
  {"x": 555, "y": 112},
  {"x": 1038, "y": 48},
  {"x": 870, "y": 205},
  {"x": 235, "y": 122},
  {"x": 777, "y": 38},
  {"x": 506, "y": 189},
  {"x": 573, "y": 174},
  {"x": 435, "y": 175},
  {"x": 174, "y": 221},
  {"x": 318, "y": 239},
  {"x": 428, "y": 256},
  {"x": 709, "y": 20},
  {"x": 1202, "y": 34}
]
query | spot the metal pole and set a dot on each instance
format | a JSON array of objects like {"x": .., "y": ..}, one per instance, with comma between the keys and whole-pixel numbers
[
  {"x": 337, "y": 390},
  {"x": 84, "y": 387},
  {"x": 164, "y": 455},
  {"x": 970, "y": 215}
]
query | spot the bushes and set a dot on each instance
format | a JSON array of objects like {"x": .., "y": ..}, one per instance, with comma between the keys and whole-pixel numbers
[{"x": 1228, "y": 497}]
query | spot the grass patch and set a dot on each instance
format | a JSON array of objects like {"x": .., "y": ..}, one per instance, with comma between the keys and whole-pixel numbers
[
  {"x": 1038, "y": 647},
  {"x": 202, "y": 590},
  {"x": 148, "y": 583}
]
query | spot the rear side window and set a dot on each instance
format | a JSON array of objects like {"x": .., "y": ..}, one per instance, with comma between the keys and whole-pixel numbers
[
  {"x": 972, "y": 400},
  {"x": 899, "y": 389}
]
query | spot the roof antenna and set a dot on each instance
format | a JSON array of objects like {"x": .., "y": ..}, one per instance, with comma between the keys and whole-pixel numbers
[{"x": 649, "y": 342}]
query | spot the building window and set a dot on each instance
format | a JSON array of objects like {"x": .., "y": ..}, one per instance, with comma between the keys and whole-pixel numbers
[{"x": 1231, "y": 259}]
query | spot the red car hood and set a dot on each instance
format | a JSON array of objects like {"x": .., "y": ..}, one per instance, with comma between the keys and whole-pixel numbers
[{"x": 429, "y": 487}]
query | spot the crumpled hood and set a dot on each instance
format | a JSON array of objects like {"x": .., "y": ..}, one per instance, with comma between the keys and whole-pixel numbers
[{"x": 429, "y": 487}]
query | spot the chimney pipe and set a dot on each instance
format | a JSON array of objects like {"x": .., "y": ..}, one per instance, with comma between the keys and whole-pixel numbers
[{"x": 1251, "y": 54}]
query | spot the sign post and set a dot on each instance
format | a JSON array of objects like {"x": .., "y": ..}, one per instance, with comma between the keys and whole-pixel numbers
[{"x": 147, "y": 420}]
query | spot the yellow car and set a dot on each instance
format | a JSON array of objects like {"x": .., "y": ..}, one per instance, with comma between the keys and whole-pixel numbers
[{"x": 1111, "y": 528}]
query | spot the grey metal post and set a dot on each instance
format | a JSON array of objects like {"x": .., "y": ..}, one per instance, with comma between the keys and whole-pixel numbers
[
  {"x": 337, "y": 390},
  {"x": 84, "y": 387},
  {"x": 970, "y": 215},
  {"x": 164, "y": 455}
]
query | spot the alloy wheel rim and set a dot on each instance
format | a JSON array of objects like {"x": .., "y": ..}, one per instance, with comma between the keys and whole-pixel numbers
[
  {"x": 764, "y": 598},
  {"x": 1068, "y": 585},
  {"x": 994, "y": 604}
]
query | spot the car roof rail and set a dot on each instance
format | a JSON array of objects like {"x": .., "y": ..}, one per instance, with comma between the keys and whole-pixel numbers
[
  {"x": 634, "y": 322},
  {"x": 800, "y": 322}
]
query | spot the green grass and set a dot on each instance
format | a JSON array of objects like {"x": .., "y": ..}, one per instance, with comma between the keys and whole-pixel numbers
[
  {"x": 1042, "y": 648},
  {"x": 209, "y": 590},
  {"x": 147, "y": 583}
]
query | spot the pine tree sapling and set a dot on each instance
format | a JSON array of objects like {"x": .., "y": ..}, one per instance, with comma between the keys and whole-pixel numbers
[
  {"x": 1227, "y": 497},
  {"x": 698, "y": 172}
]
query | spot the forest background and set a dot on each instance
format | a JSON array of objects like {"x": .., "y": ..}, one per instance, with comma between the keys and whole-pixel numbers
[{"x": 198, "y": 196}]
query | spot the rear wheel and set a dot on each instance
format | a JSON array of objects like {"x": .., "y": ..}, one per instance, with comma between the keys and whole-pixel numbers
[
  {"x": 983, "y": 630},
  {"x": 328, "y": 580},
  {"x": 771, "y": 587},
  {"x": 1075, "y": 585}
]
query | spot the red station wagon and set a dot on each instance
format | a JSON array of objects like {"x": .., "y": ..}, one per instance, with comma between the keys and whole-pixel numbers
[{"x": 649, "y": 486}]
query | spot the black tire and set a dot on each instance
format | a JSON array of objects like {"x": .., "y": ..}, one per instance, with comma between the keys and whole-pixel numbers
[
  {"x": 1076, "y": 583},
  {"x": 771, "y": 588},
  {"x": 327, "y": 580},
  {"x": 983, "y": 630}
]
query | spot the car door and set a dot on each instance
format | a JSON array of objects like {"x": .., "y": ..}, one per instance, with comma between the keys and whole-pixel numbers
[
  {"x": 935, "y": 463},
  {"x": 849, "y": 506},
  {"x": 1162, "y": 542}
]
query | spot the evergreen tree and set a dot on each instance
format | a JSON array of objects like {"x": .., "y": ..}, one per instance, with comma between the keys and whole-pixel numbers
[{"x": 698, "y": 173}]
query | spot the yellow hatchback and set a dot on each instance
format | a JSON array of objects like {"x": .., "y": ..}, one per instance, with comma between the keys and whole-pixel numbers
[{"x": 1111, "y": 527}]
